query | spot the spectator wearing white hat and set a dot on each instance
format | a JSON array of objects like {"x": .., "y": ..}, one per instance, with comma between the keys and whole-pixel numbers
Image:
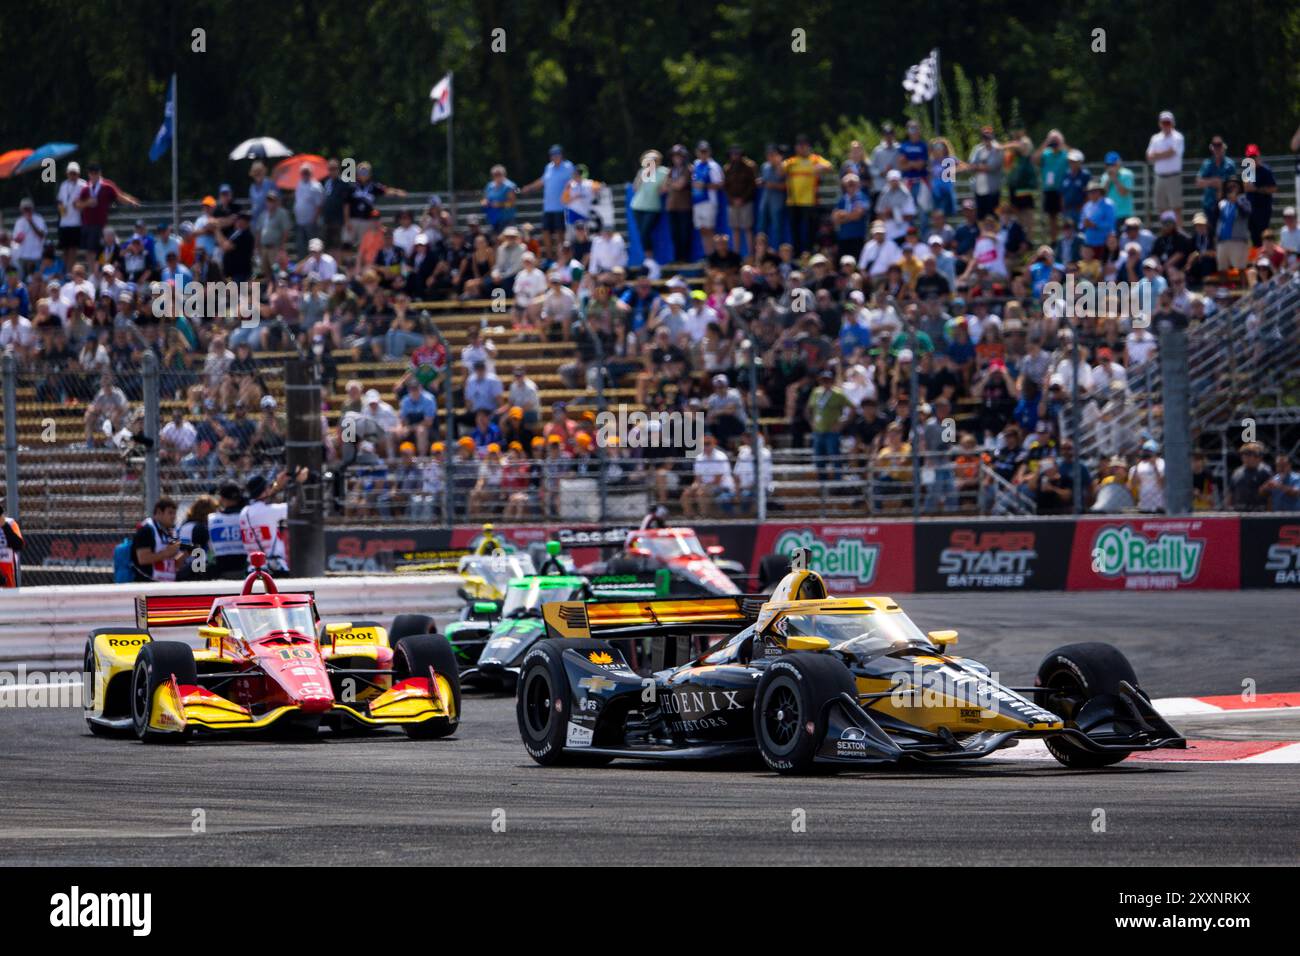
[
  {"x": 895, "y": 206},
  {"x": 559, "y": 305},
  {"x": 529, "y": 290},
  {"x": 319, "y": 264},
  {"x": 384, "y": 416},
  {"x": 1165, "y": 154},
  {"x": 69, "y": 215}
]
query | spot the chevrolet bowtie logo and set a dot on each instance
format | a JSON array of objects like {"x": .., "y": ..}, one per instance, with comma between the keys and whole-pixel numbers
[{"x": 596, "y": 684}]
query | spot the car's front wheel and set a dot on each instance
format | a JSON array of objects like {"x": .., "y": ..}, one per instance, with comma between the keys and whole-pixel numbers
[
  {"x": 155, "y": 665},
  {"x": 790, "y": 708},
  {"x": 414, "y": 657},
  {"x": 543, "y": 702},
  {"x": 1075, "y": 674}
]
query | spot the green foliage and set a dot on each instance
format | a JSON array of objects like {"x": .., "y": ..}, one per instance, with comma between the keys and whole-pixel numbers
[{"x": 333, "y": 76}]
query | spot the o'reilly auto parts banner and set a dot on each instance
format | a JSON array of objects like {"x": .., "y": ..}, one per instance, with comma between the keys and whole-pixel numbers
[
  {"x": 993, "y": 556},
  {"x": 1157, "y": 554},
  {"x": 1270, "y": 552},
  {"x": 865, "y": 557}
]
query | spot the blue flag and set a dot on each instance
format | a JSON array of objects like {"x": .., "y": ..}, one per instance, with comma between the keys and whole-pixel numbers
[{"x": 163, "y": 138}]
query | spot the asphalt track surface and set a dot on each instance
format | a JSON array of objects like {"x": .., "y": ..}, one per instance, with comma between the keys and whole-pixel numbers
[{"x": 69, "y": 798}]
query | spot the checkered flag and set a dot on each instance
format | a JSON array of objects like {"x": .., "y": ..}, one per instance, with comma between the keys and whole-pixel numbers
[{"x": 922, "y": 80}]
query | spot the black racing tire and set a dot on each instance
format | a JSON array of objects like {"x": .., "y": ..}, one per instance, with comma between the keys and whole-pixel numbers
[
  {"x": 412, "y": 657},
  {"x": 543, "y": 702},
  {"x": 154, "y": 666},
  {"x": 1077, "y": 673},
  {"x": 790, "y": 705},
  {"x": 88, "y": 670},
  {"x": 771, "y": 569},
  {"x": 406, "y": 625}
]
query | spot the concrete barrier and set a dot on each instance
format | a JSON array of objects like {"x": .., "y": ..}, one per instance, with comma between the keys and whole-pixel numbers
[{"x": 47, "y": 626}]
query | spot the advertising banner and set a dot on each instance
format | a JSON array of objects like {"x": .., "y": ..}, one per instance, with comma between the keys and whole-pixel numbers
[
  {"x": 1155, "y": 554},
  {"x": 993, "y": 556},
  {"x": 1270, "y": 552},
  {"x": 860, "y": 558}
]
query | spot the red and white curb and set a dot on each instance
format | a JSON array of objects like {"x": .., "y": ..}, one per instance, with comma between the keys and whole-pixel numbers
[{"x": 1198, "y": 750}]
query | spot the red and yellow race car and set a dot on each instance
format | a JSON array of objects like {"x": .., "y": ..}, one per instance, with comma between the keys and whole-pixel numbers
[{"x": 267, "y": 662}]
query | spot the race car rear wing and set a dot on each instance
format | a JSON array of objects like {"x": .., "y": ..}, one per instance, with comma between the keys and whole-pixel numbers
[
  {"x": 659, "y": 618},
  {"x": 179, "y": 610}
]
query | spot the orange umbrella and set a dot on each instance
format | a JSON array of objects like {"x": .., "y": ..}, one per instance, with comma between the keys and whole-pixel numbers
[
  {"x": 286, "y": 173},
  {"x": 9, "y": 161}
]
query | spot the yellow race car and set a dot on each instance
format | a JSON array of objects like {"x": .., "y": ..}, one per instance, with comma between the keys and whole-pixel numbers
[
  {"x": 805, "y": 679},
  {"x": 267, "y": 662}
]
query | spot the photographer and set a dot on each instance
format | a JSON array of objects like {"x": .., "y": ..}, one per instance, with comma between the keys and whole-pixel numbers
[
  {"x": 262, "y": 523},
  {"x": 225, "y": 537},
  {"x": 156, "y": 544}
]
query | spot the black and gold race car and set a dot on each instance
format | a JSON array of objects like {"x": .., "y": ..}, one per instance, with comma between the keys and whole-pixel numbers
[{"x": 807, "y": 680}]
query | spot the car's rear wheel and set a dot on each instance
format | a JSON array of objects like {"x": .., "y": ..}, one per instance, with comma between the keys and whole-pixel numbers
[
  {"x": 543, "y": 702},
  {"x": 155, "y": 665},
  {"x": 790, "y": 708},
  {"x": 414, "y": 656},
  {"x": 408, "y": 625},
  {"x": 1075, "y": 674}
]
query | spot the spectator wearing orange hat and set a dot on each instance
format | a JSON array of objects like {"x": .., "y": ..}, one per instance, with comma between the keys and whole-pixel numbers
[
  {"x": 513, "y": 428},
  {"x": 517, "y": 480},
  {"x": 428, "y": 500},
  {"x": 554, "y": 467},
  {"x": 464, "y": 473}
]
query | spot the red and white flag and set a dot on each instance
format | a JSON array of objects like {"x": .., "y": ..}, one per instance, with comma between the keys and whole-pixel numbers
[{"x": 441, "y": 96}]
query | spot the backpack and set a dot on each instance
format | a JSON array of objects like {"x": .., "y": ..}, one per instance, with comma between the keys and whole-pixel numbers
[{"x": 122, "y": 571}]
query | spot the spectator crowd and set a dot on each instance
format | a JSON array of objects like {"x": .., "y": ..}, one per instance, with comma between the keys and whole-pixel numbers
[{"x": 904, "y": 334}]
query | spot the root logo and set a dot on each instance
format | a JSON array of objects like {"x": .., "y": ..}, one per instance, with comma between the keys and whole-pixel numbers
[
  {"x": 844, "y": 558},
  {"x": 1163, "y": 561},
  {"x": 990, "y": 559}
]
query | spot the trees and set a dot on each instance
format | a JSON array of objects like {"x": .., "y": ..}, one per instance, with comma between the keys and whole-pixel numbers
[{"x": 336, "y": 77}]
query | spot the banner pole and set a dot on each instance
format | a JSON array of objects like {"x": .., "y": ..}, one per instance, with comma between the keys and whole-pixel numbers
[{"x": 176, "y": 144}]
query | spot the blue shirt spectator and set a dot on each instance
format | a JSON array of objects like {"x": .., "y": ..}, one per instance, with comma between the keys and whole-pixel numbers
[
  {"x": 1221, "y": 169},
  {"x": 1098, "y": 219},
  {"x": 853, "y": 228},
  {"x": 554, "y": 178},
  {"x": 498, "y": 193},
  {"x": 415, "y": 408}
]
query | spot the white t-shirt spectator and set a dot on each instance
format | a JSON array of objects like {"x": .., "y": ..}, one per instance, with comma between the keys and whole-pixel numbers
[
  {"x": 990, "y": 254},
  {"x": 26, "y": 237},
  {"x": 69, "y": 192},
  {"x": 404, "y": 238},
  {"x": 1148, "y": 475},
  {"x": 17, "y": 331},
  {"x": 713, "y": 468},
  {"x": 559, "y": 304},
  {"x": 1162, "y": 141},
  {"x": 878, "y": 255},
  {"x": 68, "y": 292},
  {"x": 1139, "y": 346},
  {"x": 744, "y": 469},
  {"x": 180, "y": 437},
  {"x": 1289, "y": 239},
  {"x": 308, "y": 197},
  {"x": 323, "y": 266},
  {"x": 1106, "y": 372},
  {"x": 529, "y": 284},
  {"x": 698, "y": 317},
  {"x": 608, "y": 253}
]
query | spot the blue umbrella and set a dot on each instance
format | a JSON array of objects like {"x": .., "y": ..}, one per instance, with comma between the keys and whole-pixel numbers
[{"x": 42, "y": 153}]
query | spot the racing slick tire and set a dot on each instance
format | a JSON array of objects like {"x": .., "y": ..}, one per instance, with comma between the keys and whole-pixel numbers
[
  {"x": 1080, "y": 672},
  {"x": 88, "y": 670},
  {"x": 771, "y": 569},
  {"x": 412, "y": 657},
  {"x": 790, "y": 708},
  {"x": 543, "y": 701},
  {"x": 154, "y": 667},
  {"x": 407, "y": 625}
]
